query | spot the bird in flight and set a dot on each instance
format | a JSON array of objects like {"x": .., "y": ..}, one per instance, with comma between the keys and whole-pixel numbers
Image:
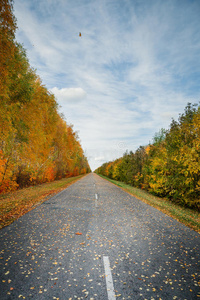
[{"x": 80, "y": 34}]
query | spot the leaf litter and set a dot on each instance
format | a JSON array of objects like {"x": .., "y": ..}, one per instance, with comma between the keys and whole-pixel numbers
[{"x": 64, "y": 250}]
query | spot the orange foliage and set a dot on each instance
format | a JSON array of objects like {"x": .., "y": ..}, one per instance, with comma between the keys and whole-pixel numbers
[{"x": 49, "y": 174}]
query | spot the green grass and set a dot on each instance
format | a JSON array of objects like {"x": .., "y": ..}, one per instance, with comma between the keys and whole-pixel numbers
[
  {"x": 15, "y": 204},
  {"x": 187, "y": 216}
]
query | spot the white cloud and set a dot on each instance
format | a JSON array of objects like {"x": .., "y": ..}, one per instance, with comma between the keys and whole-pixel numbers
[
  {"x": 69, "y": 94},
  {"x": 100, "y": 158}
]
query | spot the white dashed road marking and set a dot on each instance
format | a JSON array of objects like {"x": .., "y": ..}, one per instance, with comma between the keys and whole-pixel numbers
[
  {"x": 96, "y": 198},
  {"x": 109, "y": 281}
]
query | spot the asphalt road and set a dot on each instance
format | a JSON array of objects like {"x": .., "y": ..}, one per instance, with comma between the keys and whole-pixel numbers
[{"x": 95, "y": 241}]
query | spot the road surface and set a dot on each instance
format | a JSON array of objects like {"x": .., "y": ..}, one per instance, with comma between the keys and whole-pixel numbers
[{"x": 95, "y": 241}]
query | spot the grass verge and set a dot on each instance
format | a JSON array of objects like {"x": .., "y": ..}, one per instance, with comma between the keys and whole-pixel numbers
[
  {"x": 187, "y": 216},
  {"x": 15, "y": 204}
]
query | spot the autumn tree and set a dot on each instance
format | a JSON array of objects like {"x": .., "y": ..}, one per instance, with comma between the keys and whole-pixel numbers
[
  {"x": 7, "y": 46},
  {"x": 169, "y": 166},
  {"x": 36, "y": 144}
]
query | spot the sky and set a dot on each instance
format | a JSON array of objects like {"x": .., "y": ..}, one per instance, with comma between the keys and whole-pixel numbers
[{"x": 135, "y": 66}]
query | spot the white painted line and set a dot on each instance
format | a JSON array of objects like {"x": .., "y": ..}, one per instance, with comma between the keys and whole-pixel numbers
[
  {"x": 109, "y": 281},
  {"x": 96, "y": 198}
]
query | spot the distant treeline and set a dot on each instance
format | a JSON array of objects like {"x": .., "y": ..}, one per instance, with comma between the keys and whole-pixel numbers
[
  {"x": 36, "y": 144},
  {"x": 169, "y": 166}
]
